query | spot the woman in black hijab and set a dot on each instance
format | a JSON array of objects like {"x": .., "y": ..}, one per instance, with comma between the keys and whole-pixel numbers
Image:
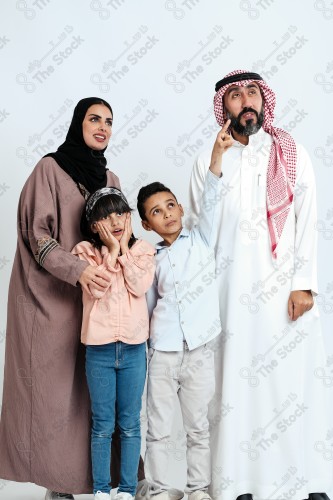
[
  {"x": 45, "y": 420},
  {"x": 85, "y": 165}
]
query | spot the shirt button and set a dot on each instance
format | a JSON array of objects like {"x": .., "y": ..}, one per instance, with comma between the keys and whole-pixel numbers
[
  {"x": 182, "y": 322},
  {"x": 173, "y": 265},
  {"x": 177, "y": 282},
  {"x": 179, "y": 301}
]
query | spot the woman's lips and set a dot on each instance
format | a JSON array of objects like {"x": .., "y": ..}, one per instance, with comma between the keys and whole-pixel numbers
[{"x": 100, "y": 137}]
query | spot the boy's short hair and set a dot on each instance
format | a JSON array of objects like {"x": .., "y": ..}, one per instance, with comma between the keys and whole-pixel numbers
[{"x": 148, "y": 191}]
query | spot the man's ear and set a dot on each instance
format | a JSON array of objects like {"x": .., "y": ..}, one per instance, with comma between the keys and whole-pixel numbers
[
  {"x": 145, "y": 225},
  {"x": 181, "y": 209}
]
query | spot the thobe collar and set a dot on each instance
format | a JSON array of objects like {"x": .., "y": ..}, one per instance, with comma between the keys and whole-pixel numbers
[
  {"x": 184, "y": 233},
  {"x": 253, "y": 139}
]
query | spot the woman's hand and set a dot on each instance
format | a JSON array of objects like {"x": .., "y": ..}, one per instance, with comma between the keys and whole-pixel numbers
[
  {"x": 108, "y": 239},
  {"x": 93, "y": 276},
  {"x": 127, "y": 233}
]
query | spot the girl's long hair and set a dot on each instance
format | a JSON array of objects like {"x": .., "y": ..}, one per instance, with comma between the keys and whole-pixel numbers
[{"x": 110, "y": 203}]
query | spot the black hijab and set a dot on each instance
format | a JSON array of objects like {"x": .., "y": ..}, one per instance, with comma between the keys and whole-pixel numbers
[{"x": 86, "y": 166}]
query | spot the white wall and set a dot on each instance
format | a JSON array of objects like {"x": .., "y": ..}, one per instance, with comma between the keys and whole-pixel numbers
[{"x": 157, "y": 63}]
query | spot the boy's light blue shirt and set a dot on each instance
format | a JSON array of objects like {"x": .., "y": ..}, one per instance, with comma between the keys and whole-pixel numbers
[{"x": 183, "y": 301}]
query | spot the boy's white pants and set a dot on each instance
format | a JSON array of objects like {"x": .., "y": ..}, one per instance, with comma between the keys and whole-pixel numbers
[{"x": 188, "y": 376}]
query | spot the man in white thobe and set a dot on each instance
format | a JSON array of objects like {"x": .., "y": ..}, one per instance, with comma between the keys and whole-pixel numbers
[{"x": 268, "y": 418}]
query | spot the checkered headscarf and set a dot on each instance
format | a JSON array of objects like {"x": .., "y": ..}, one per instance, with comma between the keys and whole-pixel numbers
[{"x": 281, "y": 173}]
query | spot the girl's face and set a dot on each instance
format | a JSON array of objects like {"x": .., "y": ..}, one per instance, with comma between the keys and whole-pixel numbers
[
  {"x": 114, "y": 222},
  {"x": 97, "y": 127}
]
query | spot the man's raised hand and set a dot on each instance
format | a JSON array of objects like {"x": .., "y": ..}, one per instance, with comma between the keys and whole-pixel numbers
[{"x": 223, "y": 142}]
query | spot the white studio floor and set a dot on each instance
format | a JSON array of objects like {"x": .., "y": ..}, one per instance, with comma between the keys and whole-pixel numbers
[{"x": 28, "y": 491}]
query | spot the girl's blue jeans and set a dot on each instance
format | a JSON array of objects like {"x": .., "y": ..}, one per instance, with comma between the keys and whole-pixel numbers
[{"x": 116, "y": 374}]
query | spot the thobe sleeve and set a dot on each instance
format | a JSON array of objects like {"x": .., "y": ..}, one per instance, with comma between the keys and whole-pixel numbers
[
  {"x": 207, "y": 223},
  {"x": 204, "y": 197},
  {"x": 305, "y": 270},
  {"x": 138, "y": 266},
  {"x": 197, "y": 183},
  {"x": 37, "y": 219}
]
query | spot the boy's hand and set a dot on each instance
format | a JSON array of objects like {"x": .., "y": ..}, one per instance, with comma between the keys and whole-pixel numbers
[
  {"x": 108, "y": 239},
  {"x": 223, "y": 142},
  {"x": 126, "y": 236}
]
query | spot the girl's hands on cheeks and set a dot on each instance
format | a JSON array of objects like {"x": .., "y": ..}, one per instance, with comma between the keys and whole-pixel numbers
[
  {"x": 126, "y": 236},
  {"x": 108, "y": 239}
]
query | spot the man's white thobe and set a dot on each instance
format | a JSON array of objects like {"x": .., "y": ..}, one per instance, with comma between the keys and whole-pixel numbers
[{"x": 268, "y": 419}]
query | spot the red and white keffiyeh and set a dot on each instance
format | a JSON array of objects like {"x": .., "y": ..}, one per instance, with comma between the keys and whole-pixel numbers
[{"x": 281, "y": 172}]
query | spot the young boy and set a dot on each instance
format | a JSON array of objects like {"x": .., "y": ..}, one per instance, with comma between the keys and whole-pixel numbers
[{"x": 185, "y": 319}]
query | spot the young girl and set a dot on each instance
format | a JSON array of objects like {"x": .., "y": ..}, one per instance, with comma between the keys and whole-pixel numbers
[{"x": 114, "y": 330}]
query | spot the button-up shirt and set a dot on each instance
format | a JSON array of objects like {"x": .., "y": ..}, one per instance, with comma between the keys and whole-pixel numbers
[{"x": 183, "y": 301}]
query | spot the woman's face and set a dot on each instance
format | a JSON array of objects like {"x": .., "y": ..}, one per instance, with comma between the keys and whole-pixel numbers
[{"x": 97, "y": 126}]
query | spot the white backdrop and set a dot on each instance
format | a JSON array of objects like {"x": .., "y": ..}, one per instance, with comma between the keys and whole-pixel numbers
[{"x": 157, "y": 63}]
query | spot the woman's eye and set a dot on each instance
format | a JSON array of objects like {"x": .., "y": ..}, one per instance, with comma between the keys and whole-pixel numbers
[{"x": 119, "y": 214}]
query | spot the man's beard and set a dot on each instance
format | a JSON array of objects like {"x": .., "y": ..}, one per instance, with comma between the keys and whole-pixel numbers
[{"x": 250, "y": 127}]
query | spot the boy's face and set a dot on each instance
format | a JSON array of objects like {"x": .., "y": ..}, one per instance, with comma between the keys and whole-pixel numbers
[{"x": 163, "y": 215}]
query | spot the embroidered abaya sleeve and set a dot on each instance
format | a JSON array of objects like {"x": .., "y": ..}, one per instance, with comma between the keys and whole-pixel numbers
[{"x": 48, "y": 220}]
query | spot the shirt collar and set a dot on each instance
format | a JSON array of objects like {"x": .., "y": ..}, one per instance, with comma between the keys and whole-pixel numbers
[
  {"x": 184, "y": 233},
  {"x": 253, "y": 139}
]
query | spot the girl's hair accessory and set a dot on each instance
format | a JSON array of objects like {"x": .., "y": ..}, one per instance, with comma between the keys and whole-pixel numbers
[{"x": 99, "y": 194}]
